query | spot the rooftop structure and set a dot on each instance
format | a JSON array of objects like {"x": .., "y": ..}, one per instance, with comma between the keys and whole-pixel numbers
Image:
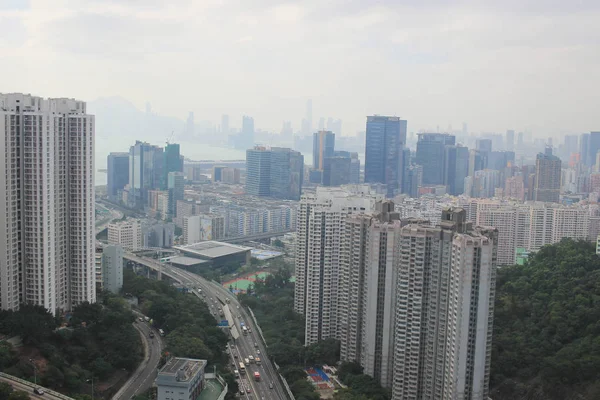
[
  {"x": 218, "y": 252},
  {"x": 181, "y": 379}
]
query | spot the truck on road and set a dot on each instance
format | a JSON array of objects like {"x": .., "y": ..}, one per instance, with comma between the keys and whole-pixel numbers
[{"x": 257, "y": 376}]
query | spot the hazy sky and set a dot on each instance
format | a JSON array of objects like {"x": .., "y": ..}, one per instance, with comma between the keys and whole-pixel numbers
[{"x": 509, "y": 64}]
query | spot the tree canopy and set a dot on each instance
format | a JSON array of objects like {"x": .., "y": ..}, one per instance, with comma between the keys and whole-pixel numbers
[{"x": 546, "y": 341}]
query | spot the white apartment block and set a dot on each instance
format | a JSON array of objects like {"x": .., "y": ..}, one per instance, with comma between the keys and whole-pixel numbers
[
  {"x": 47, "y": 207},
  {"x": 112, "y": 268},
  {"x": 321, "y": 226},
  {"x": 444, "y": 311},
  {"x": 127, "y": 234}
]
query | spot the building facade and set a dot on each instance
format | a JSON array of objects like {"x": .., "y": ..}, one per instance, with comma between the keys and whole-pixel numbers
[
  {"x": 199, "y": 228},
  {"x": 47, "y": 210},
  {"x": 444, "y": 310},
  {"x": 547, "y": 177},
  {"x": 180, "y": 379},
  {"x": 127, "y": 234},
  {"x": 112, "y": 268},
  {"x": 146, "y": 172},
  {"x": 320, "y": 228},
  {"x": 431, "y": 148},
  {"x": 117, "y": 175},
  {"x": 385, "y": 141}
]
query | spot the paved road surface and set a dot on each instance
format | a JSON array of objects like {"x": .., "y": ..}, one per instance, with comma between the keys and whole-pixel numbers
[
  {"x": 143, "y": 378},
  {"x": 28, "y": 389},
  {"x": 245, "y": 344}
]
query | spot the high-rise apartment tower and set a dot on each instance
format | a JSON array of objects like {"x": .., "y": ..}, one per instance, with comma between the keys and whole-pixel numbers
[{"x": 47, "y": 207}]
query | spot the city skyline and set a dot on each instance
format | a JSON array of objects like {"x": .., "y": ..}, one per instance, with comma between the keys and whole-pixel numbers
[{"x": 495, "y": 78}]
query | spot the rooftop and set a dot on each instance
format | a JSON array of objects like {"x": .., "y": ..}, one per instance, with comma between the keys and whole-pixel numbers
[
  {"x": 180, "y": 369},
  {"x": 212, "y": 249}
]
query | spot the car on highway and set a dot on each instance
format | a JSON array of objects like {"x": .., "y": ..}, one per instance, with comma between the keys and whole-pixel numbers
[
  {"x": 270, "y": 386},
  {"x": 235, "y": 355},
  {"x": 248, "y": 389},
  {"x": 38, "y": 391},
  {"x": 151, "y": 335},
  {"x": 141, "y": 319},
  {"x": 258, "y": 352}
]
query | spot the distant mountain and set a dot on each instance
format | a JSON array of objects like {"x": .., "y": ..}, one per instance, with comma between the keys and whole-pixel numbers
[{"x": 118, "y": 118}]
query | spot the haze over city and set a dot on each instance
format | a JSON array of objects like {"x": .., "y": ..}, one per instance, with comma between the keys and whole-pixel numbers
[{"x": 524, "y": 65}]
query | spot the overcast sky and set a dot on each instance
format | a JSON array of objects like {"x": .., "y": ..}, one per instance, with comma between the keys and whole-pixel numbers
[{"x": 510, "y": 64}]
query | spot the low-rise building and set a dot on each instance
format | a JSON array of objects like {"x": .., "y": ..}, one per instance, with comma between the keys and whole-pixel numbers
[{"x": 181, "y": 379}]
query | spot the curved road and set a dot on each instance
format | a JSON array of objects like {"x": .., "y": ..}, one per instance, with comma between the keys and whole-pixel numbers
[{"x": 143, "y": 378}]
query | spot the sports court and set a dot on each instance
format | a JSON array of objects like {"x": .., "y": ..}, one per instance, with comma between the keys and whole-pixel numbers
[
  {"x": 321, "y": 381},
  {"x": 241, "y": 284}
]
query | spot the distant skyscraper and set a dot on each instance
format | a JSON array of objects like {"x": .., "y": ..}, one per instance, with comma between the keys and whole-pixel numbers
[
  {"x": 484, "y": 145},
  {"x": 547, "y": 177},
  {"x": 456, "y": 169},
  {"x": 584, "y": 146},
  {"x": 47, "y": 203},
  {"x": 385, "y": 139},
  {"x": 146, "y": 172},
  {"x": 225, "y": 124},
  {"x": 430, "y": 155},
  {"x": 477, "y": 161},
  {"x": 287, "y": 173},
  {"x": 276, "y": 172},
  {"x": 309, "y": 115},
  {"x": 593, "y": 147},
  {"x": 413, "y": 180},
  {"x": 336, "y": 170},
  {"x": 258, "y": 171},
  {"x": 510, "y": 140},
  {"x": 175, "y": 186},
  {"x": 520, "y": 140},
  {"x": 323, "y": 147},
  {"x": 117, "y": 173},
  {"x": 173, "y": 160},
  {"x": 247, "y": 136},
  {"x": 444, "y": 310}
]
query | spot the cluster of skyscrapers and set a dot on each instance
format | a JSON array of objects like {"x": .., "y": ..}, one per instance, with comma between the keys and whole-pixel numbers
[
  {"x": 147, "y": 175},
  {"x": 411, "y": 302}
]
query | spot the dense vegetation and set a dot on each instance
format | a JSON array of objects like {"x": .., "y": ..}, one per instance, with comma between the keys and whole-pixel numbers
[
  {"x": 272, "y": 301},
  {"x": 547, "y": 326},
  {"x": 191, "y": 330},
  {"x": 99, "y": 341},
  {"x": 7, "y": 393}
]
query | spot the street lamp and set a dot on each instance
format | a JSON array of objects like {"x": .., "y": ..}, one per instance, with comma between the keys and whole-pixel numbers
[
  {"x": 34, "y": 371},
  {"x": 92, "y": 385}
]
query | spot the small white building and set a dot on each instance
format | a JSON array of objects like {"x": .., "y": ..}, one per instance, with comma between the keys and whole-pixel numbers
[{"x": 181, "y": 379}]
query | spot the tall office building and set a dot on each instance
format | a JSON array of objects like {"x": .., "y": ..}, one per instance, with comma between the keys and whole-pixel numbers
[
  {"x": 385, "y": 140},
  {"x": 366, "y": 295},
  {"x": 413, "y": 180},
  {"x": 247, "y": 135},
  {"x": 444, "y": 310},
  {"x": 320, "y": 230},
  {"x": 47, "y": 207},
  {"x": 117, "y": 174},
  {"x": 484, "y": 145},
  {"x": 173, "y": 161},
  {"x": 584, "y": 146},
  {"x": 456, "y": 169},
  {"x": 258, "y": 171},
  {"x": 593, "y": 147},
  {"x": 175, "y": 187},
  {"x": 336, "y": 170},
  {"x": 323, "y": 147},
  {"x": 309, "y": 115},
  {"x": 146, "y": 172},
  {"x": 547, "y": 177},
  {"x": 274, "y": 172},
  {"x": 510, "y": 140},
  {"x": 431, "y": 148},
  {"x": 287, "y": 173},
  {"x": 225, "y": 124}
]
